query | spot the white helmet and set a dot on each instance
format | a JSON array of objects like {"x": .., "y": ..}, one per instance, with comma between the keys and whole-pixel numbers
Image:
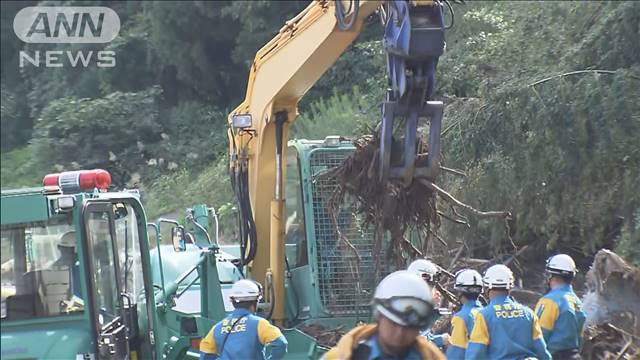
[
  {"x": 425, "y": 269},
  {"x": 68, "y": 239},
  {"x": 562, "y": 265},
  {"x": 245, "y": 290},
  {"x": 498, "y": 277},
  {"x": 469, "y": 281},
  {"x": 405, "y": 299}
]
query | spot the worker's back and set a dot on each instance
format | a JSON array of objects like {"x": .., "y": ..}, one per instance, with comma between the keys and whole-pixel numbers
[
  {"x": 505, "y": 329},
  {"x": 561, "y": 318},
  {"x": 462, "y": 324},
  {"x": 243, "y": 335}
]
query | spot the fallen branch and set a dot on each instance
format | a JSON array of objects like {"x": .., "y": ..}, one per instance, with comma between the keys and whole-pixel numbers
[
  {"x": 608, "y": 72},
  {"x": 416, "y": 252},
  {"x": 441, "y": 240},
  {"x": 457, "y": 221},
  {"x": 624, "y": 350},
  {"x": 514, "y": 256},
  {"x": 468, "y": 208},
  {"x": 455, "y": 258},
  {"x": 453, "y": 171},
  {"x": 456, "y": 213}
]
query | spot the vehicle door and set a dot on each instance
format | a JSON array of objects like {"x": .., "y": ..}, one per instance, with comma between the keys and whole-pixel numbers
[{"x": 104, "y": 269}]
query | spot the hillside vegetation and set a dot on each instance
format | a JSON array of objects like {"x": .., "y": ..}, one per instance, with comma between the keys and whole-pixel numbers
[{"x": 542, "y": 113}]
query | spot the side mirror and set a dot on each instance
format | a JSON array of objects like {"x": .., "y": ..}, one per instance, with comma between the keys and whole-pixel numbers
[{"x": 178, "y": 240}]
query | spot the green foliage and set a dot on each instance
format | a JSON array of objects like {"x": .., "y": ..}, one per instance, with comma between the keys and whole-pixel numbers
[
  {"x": 19, "y": 169},
  {"x": 362, "y": 65},
  {"x": 259, "y": 21},
  {"x": 628, "y": 244},
  {"x": 16, "y": 123},
  {"x": 198, "y": 134},
  {"x": 117, "y": 132},
  {"x": 346, "y": 114},
  {"x": 184, "y": 188},
  {"x": 12, "y": 133},
  {"x": 137, "y": 62},
  {"x": 561, "y": 155},
  {"x": 198, "y": 41}
]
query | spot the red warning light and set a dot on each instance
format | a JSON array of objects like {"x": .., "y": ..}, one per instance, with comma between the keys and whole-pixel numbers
[{"x": 75, "y": 181}]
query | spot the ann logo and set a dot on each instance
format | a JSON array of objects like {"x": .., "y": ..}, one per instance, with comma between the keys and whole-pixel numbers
[
  {"x": 66, "y": 24},
  {"x": 79, "y": 24}
]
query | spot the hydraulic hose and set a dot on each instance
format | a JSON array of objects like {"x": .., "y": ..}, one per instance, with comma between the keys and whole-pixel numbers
[
  {"x": 246, "y": 222},
  {"x": 341, "y": 14},
  {"x": 453, "y": 15},
  {"x": 272, "y": 297}
]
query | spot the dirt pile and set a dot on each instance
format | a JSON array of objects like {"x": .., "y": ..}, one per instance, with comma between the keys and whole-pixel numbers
[{"x": 607, "y": 342}]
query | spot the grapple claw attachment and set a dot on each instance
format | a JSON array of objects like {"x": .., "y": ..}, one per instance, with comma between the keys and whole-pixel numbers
[{"x": 399, "y": 162}]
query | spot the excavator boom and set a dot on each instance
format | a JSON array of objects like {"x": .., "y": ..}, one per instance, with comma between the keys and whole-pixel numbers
[{"x": 284, "y": 70}]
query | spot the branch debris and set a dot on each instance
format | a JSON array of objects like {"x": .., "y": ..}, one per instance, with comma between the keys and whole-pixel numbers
[{"x": 393, "y": 208}]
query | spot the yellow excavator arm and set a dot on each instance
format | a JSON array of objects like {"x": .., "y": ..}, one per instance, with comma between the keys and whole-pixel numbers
[{"x": 282, "y": 72}]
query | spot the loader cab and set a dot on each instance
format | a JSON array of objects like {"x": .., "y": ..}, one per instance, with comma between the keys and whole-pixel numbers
[
  {"x": 326, "y": 280},
  {"x": 75, "y": 278}
]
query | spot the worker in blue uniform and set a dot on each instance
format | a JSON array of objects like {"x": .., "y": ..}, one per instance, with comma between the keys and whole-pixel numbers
[
  {"x": 505, "y": 329},
  {"x": 243, "y": 335},
  {"x": 430, "y": 273},
  {"x": 468, "y": 285},
  {"x": 560, "y": 311}
]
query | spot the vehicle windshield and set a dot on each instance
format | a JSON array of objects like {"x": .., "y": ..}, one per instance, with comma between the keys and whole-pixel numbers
[{"x": 40, "y": 270}]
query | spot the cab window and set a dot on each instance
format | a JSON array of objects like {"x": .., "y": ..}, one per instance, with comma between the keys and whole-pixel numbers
[
  {"x": 40, "y": 270},
  {"x": 295, "y": 236},
  {"x": 103, "y": 260},
  {"x": 128, "y": 243}
]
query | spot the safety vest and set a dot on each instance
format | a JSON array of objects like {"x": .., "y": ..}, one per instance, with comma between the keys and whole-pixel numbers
[
  {"x": 561, "y": 318},
  {"x": 243, "y": 335},
  {"x": 366, "y": 336},
  {"x": 461, "y": 326},
  {"x": 505, "y": 329}
]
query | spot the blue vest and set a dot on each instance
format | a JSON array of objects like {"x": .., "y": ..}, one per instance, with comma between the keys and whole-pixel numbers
[
  {"x": 561, "y": 318},
  {"x": 462, "y": 324},
  {"x": 505, "y": 329},
  {"x": 243, "y": 335}
]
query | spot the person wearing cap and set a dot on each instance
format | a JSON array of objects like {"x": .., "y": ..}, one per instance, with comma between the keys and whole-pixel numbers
[
  {"x": 242, "y": 334},
  {"x": 560, "y": 310},
  {"x": 468, "y": 285},
  {"x": 401, "y": 306},
  {"x": 69, "y": 260},
  {"x": 505, "y": 329},
  {"x": 430, "y": 272}
]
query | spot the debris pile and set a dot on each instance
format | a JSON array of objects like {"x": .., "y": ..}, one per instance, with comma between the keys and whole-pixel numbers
[
  {"x": 324, "y": 336},
  {"x": 613, "y": 292},
  {"x": 389, "y": 207},
  {"x": 607, "y": 342},
  {"x": 612, "y": 304},
  {"x": 393, "y": 207}
]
